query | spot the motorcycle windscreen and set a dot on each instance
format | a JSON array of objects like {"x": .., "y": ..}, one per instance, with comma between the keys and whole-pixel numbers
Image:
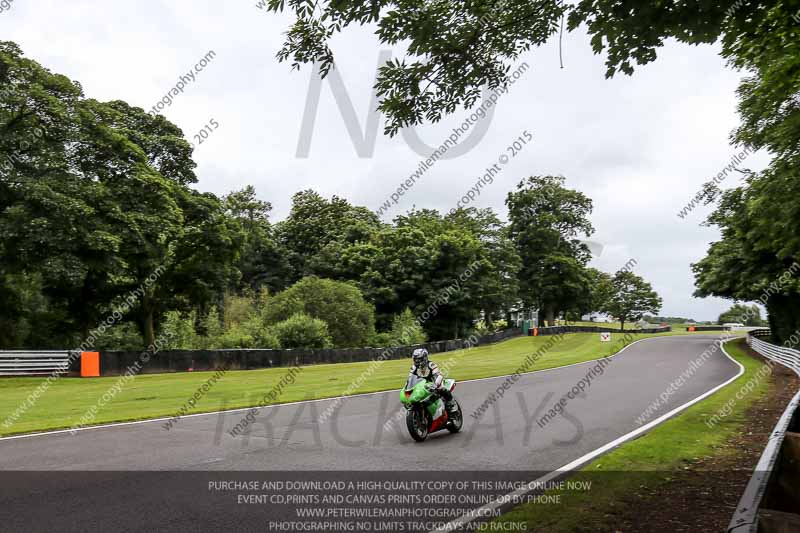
[{"x": 413, "y": 379}]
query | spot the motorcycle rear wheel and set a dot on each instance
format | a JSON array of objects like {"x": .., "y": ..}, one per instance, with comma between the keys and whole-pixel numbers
[{"x": 417, "y": 423}]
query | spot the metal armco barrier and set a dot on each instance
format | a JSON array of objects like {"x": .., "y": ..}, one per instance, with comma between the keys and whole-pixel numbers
[
  {"x": 772, "y": 497},
  {"x": 28, "y": 363}
]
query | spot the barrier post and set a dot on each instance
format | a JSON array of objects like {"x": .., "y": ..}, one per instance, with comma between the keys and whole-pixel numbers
[{"x": 90, "y": 364}]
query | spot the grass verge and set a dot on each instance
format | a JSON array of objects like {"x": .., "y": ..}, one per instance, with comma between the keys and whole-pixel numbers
[
  {"x": 161, "y": 395},
  {"x": 650, "y": 460}
]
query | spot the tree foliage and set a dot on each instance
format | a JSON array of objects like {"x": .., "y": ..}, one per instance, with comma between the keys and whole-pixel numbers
[
  {"x": 749, "y": 315},
  {"x": 756, "y": 258},
  {"x": 546, "y": 219},
  {"x": 302, "y": 331},
  {"x": 453, "y": 49},
  {"x": 93, "y": 201},
  {"x": 318, "y": 230},
  {"x": 349, "y": 318},
  {"x": 631, "y": 298},
  {"x": 263, "y": 262},
  {"x": 406, "y": 330}
]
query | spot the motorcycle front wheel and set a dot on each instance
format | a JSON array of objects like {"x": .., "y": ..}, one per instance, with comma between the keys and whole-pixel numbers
[
  {"x": 417, "y": 423},
  {"x": 456, "y": 419}
]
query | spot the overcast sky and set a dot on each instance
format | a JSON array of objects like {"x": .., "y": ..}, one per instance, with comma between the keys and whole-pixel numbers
[{"x": 639, "y": 146}]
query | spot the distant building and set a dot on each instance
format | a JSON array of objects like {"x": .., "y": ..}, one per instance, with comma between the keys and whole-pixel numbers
[
  {"x": 732, "y": 325},
  {"x": 597, "y": 317},
  {"x": 519, "y": 314}
]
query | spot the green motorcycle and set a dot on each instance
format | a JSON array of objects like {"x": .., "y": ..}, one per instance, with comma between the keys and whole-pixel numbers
[{"x": 425, "y": 410}]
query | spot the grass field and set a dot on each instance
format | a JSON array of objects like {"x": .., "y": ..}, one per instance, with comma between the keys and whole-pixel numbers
[
  {"x": 649, "y": 460},
  {"x": 159, "y": 395},
  {"x": 613, "y": 325}
]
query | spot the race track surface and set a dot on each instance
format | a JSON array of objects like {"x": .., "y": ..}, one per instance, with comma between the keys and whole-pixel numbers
[{"x": 288, "y": 438}]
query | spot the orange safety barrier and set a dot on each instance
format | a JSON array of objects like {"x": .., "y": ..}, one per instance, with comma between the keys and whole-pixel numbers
[
  {"x": 690, "y": 328},
  {"x": 90, "y": 364},
  {"x": 535, "y": 332}
]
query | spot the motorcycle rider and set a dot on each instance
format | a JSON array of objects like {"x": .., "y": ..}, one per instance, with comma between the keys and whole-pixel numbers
[{"x": 429, "y": 371}]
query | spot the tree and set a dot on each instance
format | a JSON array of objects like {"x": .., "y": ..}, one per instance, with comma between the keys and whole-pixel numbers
[
  {"x": 263, "y": 262},
  {"x": 752, "y": 262},
  {"x": 499, "y": 284},
  {"x": 81, "y": 205},
  {"x": 206, "y": 254},
  {"x": 748, "y": 315},
  {"x": 94, "y": 201},
  {"x": 302, "y": 331},
  {"x": 600, "y": 291},
  {"x": 166, "y": 149},
  {"x": 546, "y": 219},
  {"x": 193, "y": 253},
  {"x": 349, "y": 318},
  {"x": 406, "y": 330},
  {"x": 435, "y": 266},
  {"x": 756, "y": 257},
  {"x": 455, "y": 48},
  {"x": 631, "y": 298},
  {"x": 49, "y": 235},
  {"x": 317, "y": 231}
]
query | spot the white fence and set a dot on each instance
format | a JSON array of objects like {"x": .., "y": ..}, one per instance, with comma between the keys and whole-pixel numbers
[
  {"x": 780, "y": 354},
  {"x": 745, "y": 519},
  {"x": 28, "y": 363}
]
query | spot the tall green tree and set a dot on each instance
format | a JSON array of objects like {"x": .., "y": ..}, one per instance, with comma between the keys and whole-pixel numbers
[
  {"x": 81, "y": 204},
  {"x": 434, "y": 266},
  {"x": 202, "y": 265},
  {"x": 631, "y": 298},
  {"x": 546, "y": 219},
  {"x": 749, "y": 315},
  {"x": 166, "y": 149},
  {"x": 182, "y": 238},
  {"x": 37, "y": 226},
  {"x": 498, "y": 289},
  {"x": 94, "y": 201},
  {"x": 263, "y": 262},
  {"x": 758, "y": 255},
  {"x": 317, "y": 231},
  {"x": 749, "y": 263},
  {"x": 600, "y": 290}
]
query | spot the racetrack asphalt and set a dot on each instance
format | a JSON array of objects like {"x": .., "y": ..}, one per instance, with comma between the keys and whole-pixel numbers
[{"x": 355, "y": 440}]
